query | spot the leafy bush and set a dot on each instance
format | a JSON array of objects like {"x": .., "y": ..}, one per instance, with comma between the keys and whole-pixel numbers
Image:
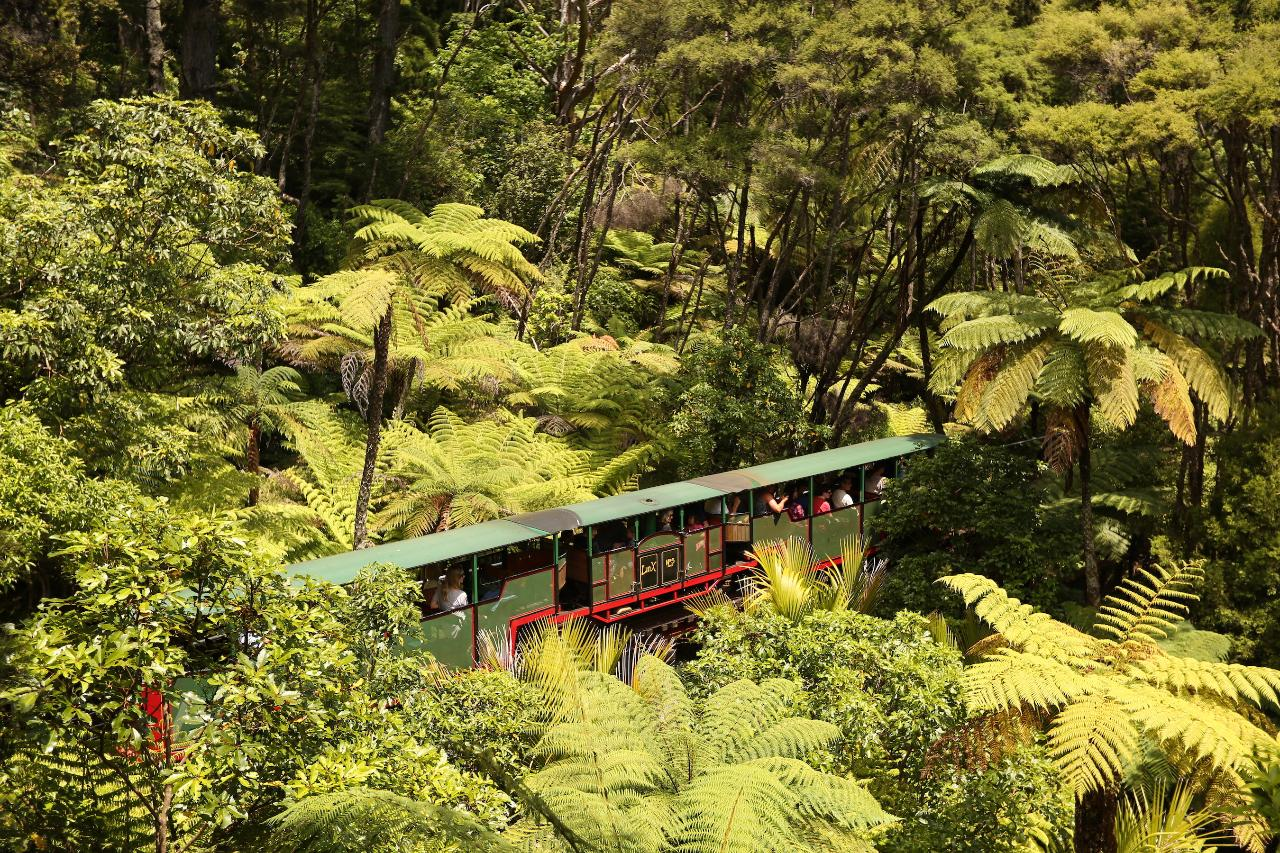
[
  {"x": 615, "y": 302},
  {"x": 44, "y": 492},
  {"x": 735, "y": 407},
  {"x": 894, "y": 693},
  {"x": 970, "y": 507},
  {"x": 1241, "y": 540}
]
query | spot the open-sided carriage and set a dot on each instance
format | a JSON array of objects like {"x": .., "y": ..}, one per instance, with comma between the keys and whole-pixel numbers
[{"x": 633, "y": 557}]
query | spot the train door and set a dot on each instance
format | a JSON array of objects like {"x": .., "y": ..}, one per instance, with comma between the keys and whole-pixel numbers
[{"x": 659, "y": 559}]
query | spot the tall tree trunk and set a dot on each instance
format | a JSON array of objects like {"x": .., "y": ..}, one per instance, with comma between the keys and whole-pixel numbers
[
  {"x": 1092, "y": 582},
  {"x": 199, "y": 48},
  {"x": 253, "y": 457},
  {"x": 311, "y": 92},
  {"x": 154, "y": 29},
  {"x": 384, "y": 69},
  {"x": 1095, "y": 830},
  {"x": 377, "y": 391},
  {"x": 931, "y": 402}
]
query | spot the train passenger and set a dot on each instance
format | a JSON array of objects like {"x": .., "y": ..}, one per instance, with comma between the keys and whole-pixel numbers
[
  {"x": 875, "y": 482},
  {"x": 616, "y": 535},
  {"x": 696, "y": 522},
  {"x": 822, "y": 500},
  {"x": 795, "y": 505},
  {"x": 667, "y": 521},
  {"x": 843, "y": 495},
  {"x": 450, "y": 594},
  {"x": 767, "y": 502}
]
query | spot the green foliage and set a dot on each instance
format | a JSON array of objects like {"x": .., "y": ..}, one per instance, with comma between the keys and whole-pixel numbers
[
  {"x": 894, "y": 694},
  {"x": 456, "y": 473},
  {"x": 1242, "y": 544},
  {"x": 278, "y": 692},
  {"x": 1106, "y": 700},
  {"x": 44, "y": 494},
  {"x": 646, "y": 767},
  {"x": 734, "y": 407},
  {"x": 617, "y": 303},
  {"x": 156, "y": 244},
  {"x": 790, "y": 580},
  {"x": 971, "y": 506}
]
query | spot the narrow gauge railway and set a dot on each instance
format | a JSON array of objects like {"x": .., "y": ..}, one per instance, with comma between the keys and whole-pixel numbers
[{"x": 631, "y": 558}]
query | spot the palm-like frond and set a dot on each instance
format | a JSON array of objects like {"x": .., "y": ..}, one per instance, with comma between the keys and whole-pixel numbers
[
  {"x": 1105, "y": 700},
  {"x": 1167, "y": 822},
  {"x": 370, "y": 819},
  {"x": 644, "y": 768}
]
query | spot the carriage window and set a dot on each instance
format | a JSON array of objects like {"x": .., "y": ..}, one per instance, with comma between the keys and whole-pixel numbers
[
  {"x": 846, "y": 489},
  {"x": 717, "y": 509},
  {"x": 611, "y": 537},
  {"x": 695, "y": 518},
  {"x": 447, "y": 587},
  {"x": 877, "y": 475}
]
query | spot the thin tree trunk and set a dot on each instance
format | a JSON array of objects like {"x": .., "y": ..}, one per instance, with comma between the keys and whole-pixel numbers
[
  {"x": 932, "y": 404},
  {"x": 1092, "y": 583},
  {"x": 154, "y": 28},
  {"x": 384, "y": 70},
  {"x": 199, "y": 48},
  {"x": 377, "y": 391},
  {"x": 1095, "y": 830},
  {"x": 253, "y": 455},
  {"x": 312, "y": 95},
  {"x": 587, "y": 268},
  {"x": 735, "y": 267},
  {"x": 162, "y": 820}
]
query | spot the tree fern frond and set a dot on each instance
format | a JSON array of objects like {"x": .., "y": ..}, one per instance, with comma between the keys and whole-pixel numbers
[
  {"x": 1107, "y": 327},
  {"x": 1112, "y": 384},
  {"x": 1256, "y": 685},
  {"x": 1203, "y": 375},
  {"x": 1010, "y": 680},
  {"x": 1093, "y": 742},
  {"x": 1006, "y": 394},
  {"x": 1038, "y": 171},
  {"x": 982, "y": 333},
  {"x": 1019, "y": 623},
  {"x": 370, "y": 818},
  {"x": 1145, "y": 606}
]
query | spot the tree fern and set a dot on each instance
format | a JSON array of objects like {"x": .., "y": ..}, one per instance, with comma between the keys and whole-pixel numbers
[
  {"x": 1105, "y": 698},
  {"x": 1098, "y": 346},
  {"x": 645, "y": 768}
]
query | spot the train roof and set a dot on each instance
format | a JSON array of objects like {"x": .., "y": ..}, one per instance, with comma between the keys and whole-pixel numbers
[{"x": 460, "y": 541}]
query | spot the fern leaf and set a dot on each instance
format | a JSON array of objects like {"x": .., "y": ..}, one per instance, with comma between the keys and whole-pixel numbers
[
  {"x": 1088, "y": 326},
  {"x": 1093, "y": 743},
  {"x": 1143, "y": 608}
]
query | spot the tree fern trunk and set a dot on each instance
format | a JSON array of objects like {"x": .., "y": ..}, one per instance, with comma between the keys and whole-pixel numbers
[
  {"x": 377, "y": 391},
  {"x": 1095, "y": 830},
  {"x": 253, "y": 457},
  {"x": 1092, "y": 583}
]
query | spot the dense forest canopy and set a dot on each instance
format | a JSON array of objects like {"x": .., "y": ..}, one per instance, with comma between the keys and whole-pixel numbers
[{"x": 280, "y": 279}]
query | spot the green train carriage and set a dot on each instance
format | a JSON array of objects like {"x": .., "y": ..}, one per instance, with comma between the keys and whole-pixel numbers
[{"x": 631, "y": 558}]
